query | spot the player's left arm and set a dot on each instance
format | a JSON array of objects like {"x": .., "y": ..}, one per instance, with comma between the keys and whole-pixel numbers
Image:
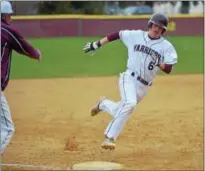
[
  {"x": 169, "y": 60},
  {"x": 167, "y": 68}
]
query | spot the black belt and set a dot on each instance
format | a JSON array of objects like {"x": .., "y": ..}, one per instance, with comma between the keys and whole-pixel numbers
[{"x": 141, "y": 80}]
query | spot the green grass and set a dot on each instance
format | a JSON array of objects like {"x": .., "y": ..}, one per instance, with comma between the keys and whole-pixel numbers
[
  {"x": 63, "y": 57},
  {"x": 190, "y": 52}
]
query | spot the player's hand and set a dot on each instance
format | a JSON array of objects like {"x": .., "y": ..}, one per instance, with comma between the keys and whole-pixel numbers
[
  {"x": 91, "y": 47},
  {"x": 157, "y": 62},
  {"x": 39, "y": 59}
]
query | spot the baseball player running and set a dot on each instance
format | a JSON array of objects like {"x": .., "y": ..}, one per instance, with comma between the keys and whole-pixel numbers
[
  {"x": 148, "y": 51},
  {"x": 10, "y": 40}
]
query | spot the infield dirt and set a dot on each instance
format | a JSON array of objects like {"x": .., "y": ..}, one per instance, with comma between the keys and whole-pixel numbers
[{"x": 54, "y": 127}]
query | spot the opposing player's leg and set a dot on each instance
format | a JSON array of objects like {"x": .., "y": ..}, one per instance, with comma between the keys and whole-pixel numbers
[{"x": 7, "y": 126}]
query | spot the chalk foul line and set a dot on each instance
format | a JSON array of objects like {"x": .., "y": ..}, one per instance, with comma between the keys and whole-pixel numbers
[{"x": 34, "y": 167}]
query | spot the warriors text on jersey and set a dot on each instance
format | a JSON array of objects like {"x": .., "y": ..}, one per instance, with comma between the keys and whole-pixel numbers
[{"x": 144, "y": 52}]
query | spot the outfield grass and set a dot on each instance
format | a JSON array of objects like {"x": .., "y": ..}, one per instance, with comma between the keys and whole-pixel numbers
[{"x": 63, "y": 57}]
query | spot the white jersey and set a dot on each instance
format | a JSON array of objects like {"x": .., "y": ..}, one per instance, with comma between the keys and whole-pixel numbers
[{"x": 143, "y": 52}]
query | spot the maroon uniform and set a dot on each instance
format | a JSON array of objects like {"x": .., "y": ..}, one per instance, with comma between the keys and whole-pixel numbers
[{"x": 11, "y": 39}]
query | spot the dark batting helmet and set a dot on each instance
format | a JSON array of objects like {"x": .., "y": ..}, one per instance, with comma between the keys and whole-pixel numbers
[{"x": 160, "y": 20}]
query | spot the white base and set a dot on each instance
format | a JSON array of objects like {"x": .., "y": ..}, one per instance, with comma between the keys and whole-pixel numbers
[{"x": 97, "y": 165}]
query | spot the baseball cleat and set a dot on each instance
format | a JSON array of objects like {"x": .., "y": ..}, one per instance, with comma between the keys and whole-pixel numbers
[
  {"x": 108, "y": 144},
  {"x": 95, "y": 110}
]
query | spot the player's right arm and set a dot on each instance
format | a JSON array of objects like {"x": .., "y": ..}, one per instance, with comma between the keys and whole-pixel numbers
[
  {"x": 124, "y": 35},
  {"x": 20, "y": 45},
  {"x": 93, "y": 46}
]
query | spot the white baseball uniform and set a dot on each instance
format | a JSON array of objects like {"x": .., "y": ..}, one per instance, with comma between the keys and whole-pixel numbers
[{"x": 134, "y": 83}]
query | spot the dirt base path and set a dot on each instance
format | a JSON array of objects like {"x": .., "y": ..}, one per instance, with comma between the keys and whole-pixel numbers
[{"x": 54, "y": 127}]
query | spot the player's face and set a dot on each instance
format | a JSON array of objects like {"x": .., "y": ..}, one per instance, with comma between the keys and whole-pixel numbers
[
  {"x": 7, "y": 18},
  {"x": 155, "y": 31}
]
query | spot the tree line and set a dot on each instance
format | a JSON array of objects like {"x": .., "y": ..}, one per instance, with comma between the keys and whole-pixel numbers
[{"x": 71, "y": 7}]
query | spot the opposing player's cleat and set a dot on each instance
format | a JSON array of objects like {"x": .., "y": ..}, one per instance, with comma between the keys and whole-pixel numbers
[
  {"x": 108, "y": 144},
  {"x": 95, "y": 109}
]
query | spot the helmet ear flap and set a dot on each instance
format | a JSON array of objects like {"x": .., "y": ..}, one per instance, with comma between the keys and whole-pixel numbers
[
  {"x": 149, "y": 24},
  {"x": 163, "y": 31}
]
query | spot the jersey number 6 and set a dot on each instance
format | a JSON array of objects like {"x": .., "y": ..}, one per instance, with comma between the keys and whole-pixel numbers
[{"x": 151, "y": 65}]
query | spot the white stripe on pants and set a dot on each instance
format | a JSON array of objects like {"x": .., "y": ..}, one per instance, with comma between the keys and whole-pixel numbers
[
  {"x": 7, "y": 126},
  {"x": 132, "y": 92}
]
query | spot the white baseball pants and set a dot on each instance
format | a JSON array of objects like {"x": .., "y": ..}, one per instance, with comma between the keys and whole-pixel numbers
[
  {"x": 132, "y": 91},
  {"x": 7, "y": 126}
]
